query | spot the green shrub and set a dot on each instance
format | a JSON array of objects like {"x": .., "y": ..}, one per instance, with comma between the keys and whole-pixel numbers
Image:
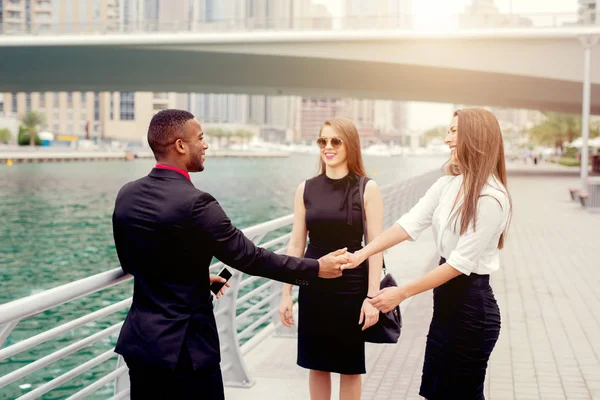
[
  {"x": 571, "y": 152},
  {"x": 5, "y": 136},
  {"x": 569, "y": 162},
  {"x": 23, "y": 138}
]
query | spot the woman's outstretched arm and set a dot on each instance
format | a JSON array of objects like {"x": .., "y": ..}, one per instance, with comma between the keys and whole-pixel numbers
[
  {"x": 390, "y": 237},
  {"x": 409, "y": 226}
]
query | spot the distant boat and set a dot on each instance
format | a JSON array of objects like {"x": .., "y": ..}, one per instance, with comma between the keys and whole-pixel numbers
[
  {"x": 377, "y": 150},
  {"x": 399, "y": 151},
  {"x": 46, "y": 137}
]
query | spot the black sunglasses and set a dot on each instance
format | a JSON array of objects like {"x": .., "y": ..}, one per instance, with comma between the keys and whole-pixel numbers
[{"x": 335, "y": 142}]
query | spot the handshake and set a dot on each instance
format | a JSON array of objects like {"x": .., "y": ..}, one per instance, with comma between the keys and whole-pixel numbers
[{"x": 331, "y": 265}]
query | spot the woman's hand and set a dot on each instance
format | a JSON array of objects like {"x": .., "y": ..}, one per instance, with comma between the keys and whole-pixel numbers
[
  {"x": 220, "y": 279},
  {"x": 387, "y": 299},
  {"x": 285, "y": 310},
  {"x": 354, "y": 260},
  {"x": 368, "y": 314}
]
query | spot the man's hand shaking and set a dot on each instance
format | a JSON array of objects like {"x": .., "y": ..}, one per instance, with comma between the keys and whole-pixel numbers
[{"x": 330, "y": 264}]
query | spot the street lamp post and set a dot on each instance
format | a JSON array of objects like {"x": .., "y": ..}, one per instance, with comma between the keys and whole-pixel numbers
[{"x": 588, "y": 43}]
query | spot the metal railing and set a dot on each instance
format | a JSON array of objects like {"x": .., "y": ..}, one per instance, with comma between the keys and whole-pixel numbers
[
  {"x": 402, "y": 21},
  {"x": 245, "y": 316}
]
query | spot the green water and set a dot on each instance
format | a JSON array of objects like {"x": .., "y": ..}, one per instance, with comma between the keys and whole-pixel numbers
[{"x": 56, "y": 228}]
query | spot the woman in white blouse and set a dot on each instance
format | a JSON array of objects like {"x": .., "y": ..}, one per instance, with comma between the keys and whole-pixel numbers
[{"x": 469, "y": 211}]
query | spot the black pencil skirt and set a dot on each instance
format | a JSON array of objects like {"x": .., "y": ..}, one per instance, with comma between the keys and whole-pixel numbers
[{"x": 463, "y": 332}]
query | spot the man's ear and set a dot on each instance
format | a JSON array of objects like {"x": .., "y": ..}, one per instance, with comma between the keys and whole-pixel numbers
[{"x": 179, "y": 146}]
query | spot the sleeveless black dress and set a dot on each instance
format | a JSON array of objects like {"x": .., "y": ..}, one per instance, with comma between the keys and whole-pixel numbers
[{"x": 329, "y": 336}]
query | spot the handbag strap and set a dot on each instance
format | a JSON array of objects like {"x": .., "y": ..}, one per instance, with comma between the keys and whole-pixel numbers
[
  {"x": 361, "y": 190},
  {"x": 362, "y": 183}
]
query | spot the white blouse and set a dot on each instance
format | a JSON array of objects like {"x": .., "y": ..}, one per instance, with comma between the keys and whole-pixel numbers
[{"x": 474, "y": 251}]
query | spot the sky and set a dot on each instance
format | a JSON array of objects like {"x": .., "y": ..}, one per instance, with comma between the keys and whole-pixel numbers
[{"x": 426, "y": 115}]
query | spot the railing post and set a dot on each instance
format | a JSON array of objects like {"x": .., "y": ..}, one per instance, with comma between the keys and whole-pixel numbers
[
  {"x": 233, "y": 367},
  {"x": 6, "y": 329},
  {"x": 122, "y": 381}
]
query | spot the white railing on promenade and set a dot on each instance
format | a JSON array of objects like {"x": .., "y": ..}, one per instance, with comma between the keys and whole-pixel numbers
[
  {"x": 245, "y": 316},
  {"x": 475, "y": 20}
]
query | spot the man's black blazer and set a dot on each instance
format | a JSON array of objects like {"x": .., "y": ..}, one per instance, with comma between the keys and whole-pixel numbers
[{"x": 166, "y": 233}]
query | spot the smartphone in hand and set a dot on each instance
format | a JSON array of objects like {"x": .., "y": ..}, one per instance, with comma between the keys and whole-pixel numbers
[{"x": 216, "y": 286}]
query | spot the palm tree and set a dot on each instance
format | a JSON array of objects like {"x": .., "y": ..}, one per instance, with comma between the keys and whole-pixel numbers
[
  {"x": 558, "y": 128},
  {"x": 244, "y": 134},
  {"x": 438, "y": 132},
  {"x": 228, "y": 135},
  {"x": 218, "y": 134},
  {"x": 31, "y": 120}
]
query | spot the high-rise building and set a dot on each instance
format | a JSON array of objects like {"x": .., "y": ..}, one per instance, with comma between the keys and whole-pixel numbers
[
  {"x": 399, "y": 119},
  {"x": 156, "y": 15},
  {"x": 219, "y": 108},
  {"x": 207, "y": 11},
  {"x": 81, "y": 16},
  {"x": 278, "y": 14},
  {"x": 377, "y": 14},
  {"x": 362, "y": 113},
  {"x": 589, "y": 12},
  {"x": 374, "y": 119},
  {"x": 131, "y": 15},
  {"x": 25, "y": 16},
  {"x": 319, "y": 18},
  {"x": 484, "y": 14},
  {"x": 314, "y": 111},
  {"x": 482, "y": 6},
  {"x": 390, "y": 119}
]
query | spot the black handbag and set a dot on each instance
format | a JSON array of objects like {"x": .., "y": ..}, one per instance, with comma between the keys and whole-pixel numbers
[{"x": 387, "y": 329}]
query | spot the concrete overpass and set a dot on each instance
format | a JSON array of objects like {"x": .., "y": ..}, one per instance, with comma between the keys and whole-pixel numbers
[{"x": 537, "y": 68}]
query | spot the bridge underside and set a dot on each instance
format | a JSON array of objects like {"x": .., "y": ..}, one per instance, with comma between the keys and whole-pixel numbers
[{"x": 113, "y": 68}]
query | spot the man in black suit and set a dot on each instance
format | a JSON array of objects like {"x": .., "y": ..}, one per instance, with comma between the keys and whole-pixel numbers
[{"x": 166, "y": 233}]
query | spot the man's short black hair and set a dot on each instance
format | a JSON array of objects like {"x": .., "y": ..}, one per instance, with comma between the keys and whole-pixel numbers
[{"x": 165, "y": 128}]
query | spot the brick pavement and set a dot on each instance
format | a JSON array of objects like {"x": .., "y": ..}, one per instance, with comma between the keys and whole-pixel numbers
[
  {"x": 548, "y": 294},
  {"x": 547, "y": 289}
]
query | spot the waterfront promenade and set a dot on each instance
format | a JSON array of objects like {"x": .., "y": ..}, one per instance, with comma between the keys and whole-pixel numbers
[{"x": 548, "y": 294}]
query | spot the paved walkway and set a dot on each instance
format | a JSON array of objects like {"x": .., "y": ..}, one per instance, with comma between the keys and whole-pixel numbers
[{"x": 547, "y": 289}]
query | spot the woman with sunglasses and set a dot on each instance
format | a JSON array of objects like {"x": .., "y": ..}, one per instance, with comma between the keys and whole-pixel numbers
[
  {"x": 469, "y": 211},
  {"x": 333, "y": 314}
]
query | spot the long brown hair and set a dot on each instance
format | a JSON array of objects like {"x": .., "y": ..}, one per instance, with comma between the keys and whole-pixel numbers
[
  {"x": 479, "y": 154},
  {"x": 349, "y": 134}
]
